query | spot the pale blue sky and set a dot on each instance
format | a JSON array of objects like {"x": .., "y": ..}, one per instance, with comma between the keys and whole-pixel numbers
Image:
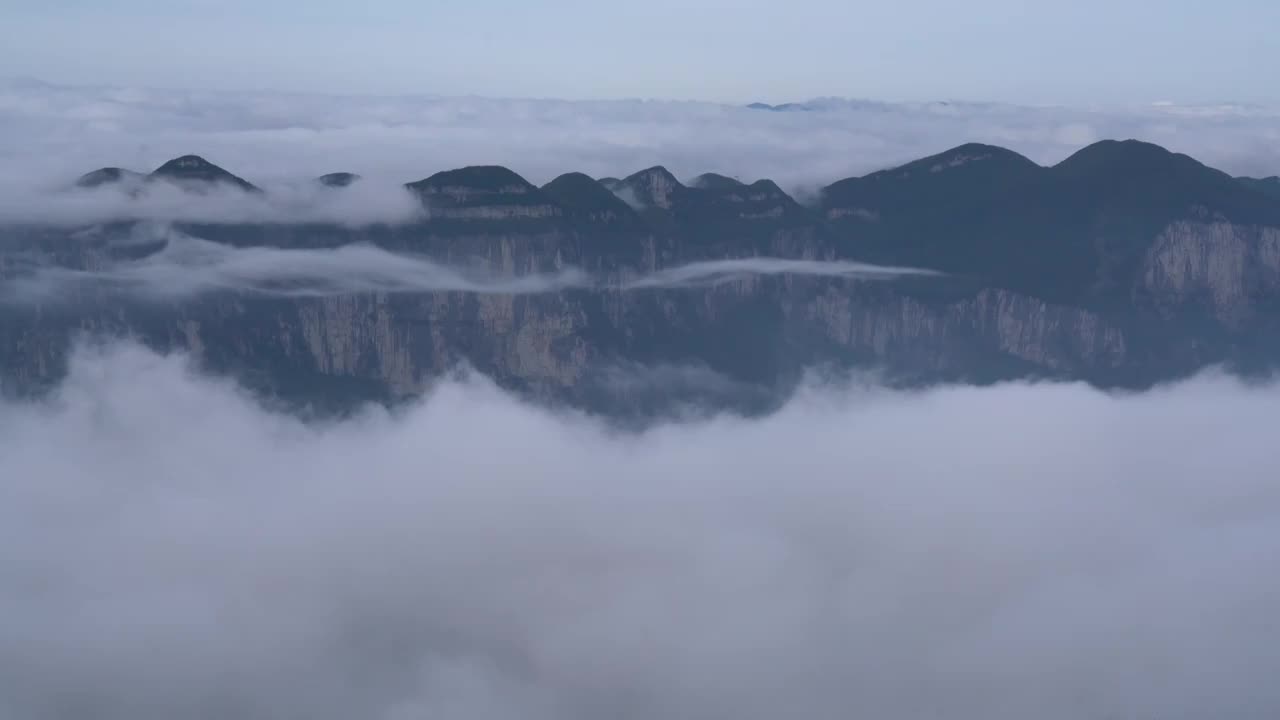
[{"x": 1041, "y": 51}]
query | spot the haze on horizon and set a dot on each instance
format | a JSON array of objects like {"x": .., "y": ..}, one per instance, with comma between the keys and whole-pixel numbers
[{"x": 1089, "y": 51}]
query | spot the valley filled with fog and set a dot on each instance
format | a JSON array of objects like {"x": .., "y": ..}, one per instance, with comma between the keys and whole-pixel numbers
[{"x": 172, "y": 548}]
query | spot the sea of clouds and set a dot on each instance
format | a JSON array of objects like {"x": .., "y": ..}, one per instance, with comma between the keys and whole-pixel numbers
[
  {"x": 168, "y": 548},
  {"x": 51, "y": 134}
]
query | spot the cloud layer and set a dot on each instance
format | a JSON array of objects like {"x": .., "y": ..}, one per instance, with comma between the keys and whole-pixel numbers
[
  {"x": 169, "y": 549},
  {"x": 51, "y": 134}
]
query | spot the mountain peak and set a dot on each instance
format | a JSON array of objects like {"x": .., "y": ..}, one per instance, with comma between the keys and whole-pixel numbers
[
  {"x": 108, "y": 176},
  {"x": 657, "y": 171},
  {"x": 464, "y": 193},
  {"x": 576, "y": 185},
  {"x": 337, "y": 179},
  {"x": 193, "y": 168},
  {"x": 767, "y": 186},
  {"x": 654, "y": 187},
  {"x": 784, "y": 107},
  {"x": 187, "y": 164},
  {"x": 1106, "y": 156},
  {"x": 490, "y": 178},
  {"x": 1122, "y": 168},
  {"x": 969, "y": 156},
  {"x": 968, "y": 174},
  {"x": 1130, "y": 147},
  {"x": 716, "y": 181},
  {"x": 583, "y": 194}
]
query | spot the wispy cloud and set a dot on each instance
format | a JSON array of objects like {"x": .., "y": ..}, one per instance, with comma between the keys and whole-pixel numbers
[
  {"x": 187, "y": 266},
  {"x": 714, "y": 272},
  {"x": 1050, "y": 551}
]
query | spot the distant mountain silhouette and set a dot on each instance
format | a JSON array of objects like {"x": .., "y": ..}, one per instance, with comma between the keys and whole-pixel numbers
[
  {"x": 337, "y": 179},
  {"x": 191, "y": 172},
  {"x": 195, "y": 169}
]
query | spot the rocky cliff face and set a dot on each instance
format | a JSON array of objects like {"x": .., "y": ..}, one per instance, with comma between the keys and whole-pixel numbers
[
  {"x": 762, "y": 332},
  {"x": 1191, "y": 284},
  {"x": 1234, "y": 269}
]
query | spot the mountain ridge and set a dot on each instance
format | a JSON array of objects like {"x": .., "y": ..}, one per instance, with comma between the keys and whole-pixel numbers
[
  {"x": 972, "y": 210},
  {"x": 656, "y": 184},
  {"x": 1124, "y": 266}
]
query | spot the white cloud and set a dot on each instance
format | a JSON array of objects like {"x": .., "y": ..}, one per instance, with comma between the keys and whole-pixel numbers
[
  {"x": 714, "y": 272},
  {"x": 187, "y": 266},
  {"x": 167, "y": 548},
  {"x": 51, "y": 134}
]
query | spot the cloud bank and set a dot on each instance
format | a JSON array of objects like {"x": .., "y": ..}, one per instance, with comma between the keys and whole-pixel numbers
[
  {"x": 50, "y": 134},
  {"x": 169, "y": 549}
]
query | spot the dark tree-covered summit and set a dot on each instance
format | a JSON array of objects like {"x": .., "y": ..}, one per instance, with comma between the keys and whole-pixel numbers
[
  {"x": 189, "y": 171},
  {"x": 108, "y": 176},
  {"x": 193, "y": 168},
  {"x": 337, "y": 179}
]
